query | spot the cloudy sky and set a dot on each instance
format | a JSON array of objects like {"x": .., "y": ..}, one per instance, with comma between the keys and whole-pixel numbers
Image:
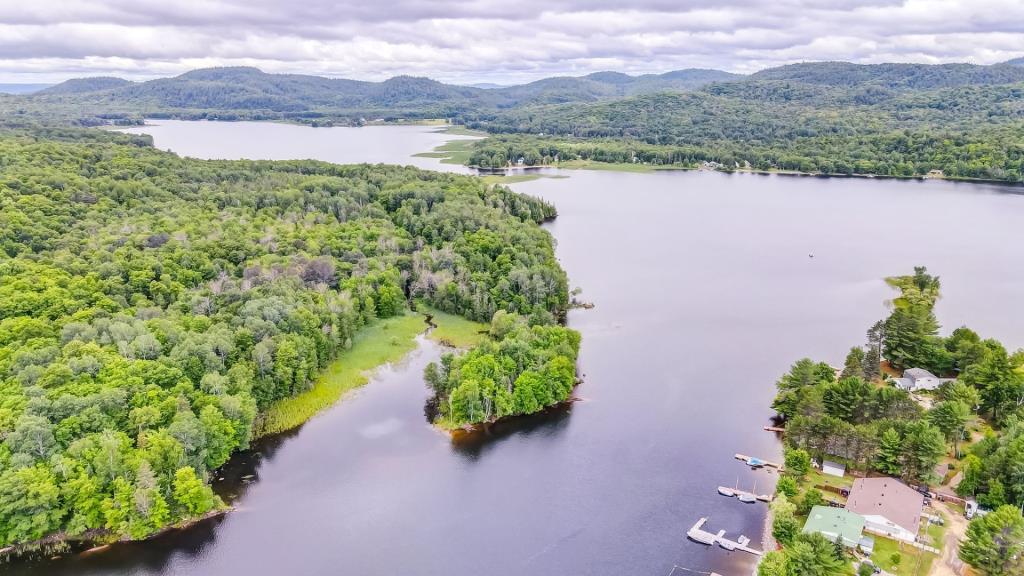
[{"x": 499, "y": 41}]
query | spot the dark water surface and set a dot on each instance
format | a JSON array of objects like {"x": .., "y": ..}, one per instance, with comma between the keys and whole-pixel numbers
[{"x": 704, "y": 292}]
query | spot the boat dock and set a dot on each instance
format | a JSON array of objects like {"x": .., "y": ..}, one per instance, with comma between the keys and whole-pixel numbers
[
  {"x": 744, "y": 495},
  {"x": 755, "y": 462},
  {"x": 774, "y": 429},
  {"x": 698, "y": 534}
]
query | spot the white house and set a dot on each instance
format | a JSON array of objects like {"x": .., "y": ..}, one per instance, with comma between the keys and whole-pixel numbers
[
  {"x": 890, "y": 508},
  {"x": 915, "y": 379}
]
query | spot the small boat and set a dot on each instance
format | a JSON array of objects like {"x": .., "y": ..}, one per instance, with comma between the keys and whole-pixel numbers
[
  {"x": 747, "y": 498},
  {"x": 726, "y": 491},
  {"x": 755, "y": 462},
  {"x": 727, "y": 544}
]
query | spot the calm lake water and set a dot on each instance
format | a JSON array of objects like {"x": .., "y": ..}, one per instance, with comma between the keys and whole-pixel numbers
[{"x": 705, "y": 293}]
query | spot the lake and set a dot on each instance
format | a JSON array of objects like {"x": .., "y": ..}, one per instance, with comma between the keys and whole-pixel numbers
[{"x": 705, "y": 292}]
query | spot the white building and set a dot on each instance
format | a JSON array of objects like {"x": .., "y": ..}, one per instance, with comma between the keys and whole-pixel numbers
[
  {"x": 915, "y": 379},
  {"x": 890, "y": 508},
  {"x": 833, "y": 468}
]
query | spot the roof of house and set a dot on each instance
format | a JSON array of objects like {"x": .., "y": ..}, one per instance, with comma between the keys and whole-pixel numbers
[
  {"x": 916, "y": 373},
  {"x": 835, "y": 521},
  {"x": 831, "y": 464},
  {"x": 905, "y": 383},
  {"x": 887, "y": 497}
]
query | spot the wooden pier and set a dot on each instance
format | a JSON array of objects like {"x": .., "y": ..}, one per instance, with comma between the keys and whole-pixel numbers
[
  {"x": 755, "y": 462},
  {"x": 739, "y": 492},
  {"x": 774, "y": 429},
  {"x": 701, "y": 536}
]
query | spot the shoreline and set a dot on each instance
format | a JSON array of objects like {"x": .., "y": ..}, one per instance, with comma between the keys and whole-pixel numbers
[
  {"x": 95, "y": 540},
  {"x": 514, "y": 171},
  {"x": 98, "y": 539},
  {"x": 453, "y": 156}
]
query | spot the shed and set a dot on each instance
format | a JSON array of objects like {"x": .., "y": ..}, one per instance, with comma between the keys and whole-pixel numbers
[
  {"x": 867, "y": 545},
  {"x": 833, "y": 523},
  {"x": 833, "y": 468}
]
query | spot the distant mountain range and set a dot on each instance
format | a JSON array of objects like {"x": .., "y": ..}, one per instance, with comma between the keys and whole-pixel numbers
[
  {"x": 249, "y": 89},
  {"x": 248, "y": 93}
]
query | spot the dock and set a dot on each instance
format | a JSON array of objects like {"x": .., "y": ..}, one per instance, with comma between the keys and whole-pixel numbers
[
  {"x": 701, "y": 536},
  {"x": 755, "y": 462},
  {"x": 739, "y": 492},
  {"x": 774, "y": 429}
]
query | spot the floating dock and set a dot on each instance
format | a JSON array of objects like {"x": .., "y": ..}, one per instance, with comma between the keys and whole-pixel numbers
[
  {"x": 755, "y": 462},
  {"x": 699, "y": 535},
  {"x": 728, "y": 491},
  {"x": 774, "y": 429}
]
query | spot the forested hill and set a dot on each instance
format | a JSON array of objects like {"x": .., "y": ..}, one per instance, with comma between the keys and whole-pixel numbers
[
  {"x": 895, "y": 76},
  {"x": 898, "y": 120},
  {"x": 241, "y": 92},
  {"x": 85, "y": 85},
  {"x": 152, "y": 308}
]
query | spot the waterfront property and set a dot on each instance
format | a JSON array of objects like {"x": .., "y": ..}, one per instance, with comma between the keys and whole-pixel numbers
[
  {"x": 915, "y": 379},
  {"x": 834, "y": 523},
  {"x": 889, "y": 507}
]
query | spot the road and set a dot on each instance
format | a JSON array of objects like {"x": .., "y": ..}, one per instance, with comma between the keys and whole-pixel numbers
[{"x": 956, "y": 527}]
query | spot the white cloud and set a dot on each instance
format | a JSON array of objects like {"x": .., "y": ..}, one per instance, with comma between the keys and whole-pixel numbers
[{"x": 490, "y": 40}]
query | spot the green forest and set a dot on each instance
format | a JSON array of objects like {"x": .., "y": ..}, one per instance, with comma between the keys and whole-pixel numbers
[
  {"x": 152, "y": 309},
  {"x": 521, "y": 369}
]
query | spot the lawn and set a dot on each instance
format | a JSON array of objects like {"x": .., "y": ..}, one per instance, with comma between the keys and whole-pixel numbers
[
  {"x": 913, "y": 561},
  {"x": 512, "y": 179},
  {"x": 454, "y": 152},
  {"x": 452, "y": 330},
  {"x": 382, "y": 342},
  {"x": 816, "y": 478}
]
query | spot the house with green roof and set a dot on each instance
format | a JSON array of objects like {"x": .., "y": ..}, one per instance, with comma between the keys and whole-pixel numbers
[{"x": 833, "y": 523}]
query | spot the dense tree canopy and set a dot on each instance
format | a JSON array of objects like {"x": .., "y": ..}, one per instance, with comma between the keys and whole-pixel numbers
[
  {"x": 521, "y": 370},
  {"x": 151, "y": 307}
]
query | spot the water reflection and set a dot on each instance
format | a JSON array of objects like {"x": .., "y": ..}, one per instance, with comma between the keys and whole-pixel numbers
[{"x": 545, "y": 426}]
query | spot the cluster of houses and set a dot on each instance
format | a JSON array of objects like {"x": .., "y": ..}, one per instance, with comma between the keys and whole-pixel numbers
[{"x": 880, "y": 506}]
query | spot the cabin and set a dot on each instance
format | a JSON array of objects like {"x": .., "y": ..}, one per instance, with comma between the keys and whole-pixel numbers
[
  {"x": 833, "y": 468},
  {"x": 915, "y": 379},
  {"x": 890, "y": 508},
  {"x": 835, "y": 523}
]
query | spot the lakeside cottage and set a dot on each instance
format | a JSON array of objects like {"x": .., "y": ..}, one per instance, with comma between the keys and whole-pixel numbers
[
  {"x": 833, "y": 523},
  {"x": 889, "y": 507},
  {"x": 915, "y": 379}
]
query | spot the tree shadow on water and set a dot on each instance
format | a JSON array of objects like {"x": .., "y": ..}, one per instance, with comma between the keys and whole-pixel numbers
[
  {"x": 153, "y": 555},
  {"x": 547, "y": 424}
]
